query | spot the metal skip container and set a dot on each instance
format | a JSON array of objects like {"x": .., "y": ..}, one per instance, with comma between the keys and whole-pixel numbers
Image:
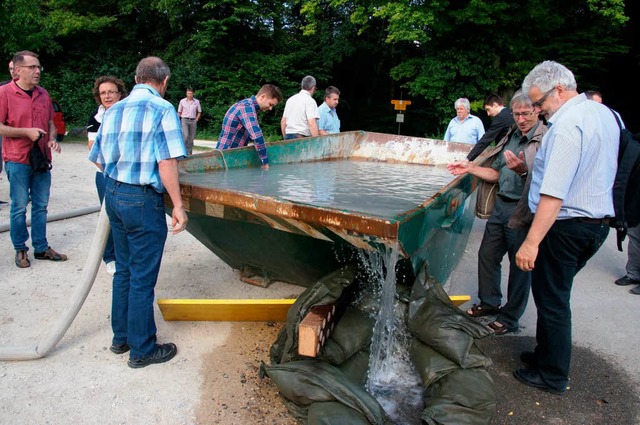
[{"x": 324, "y": 199}]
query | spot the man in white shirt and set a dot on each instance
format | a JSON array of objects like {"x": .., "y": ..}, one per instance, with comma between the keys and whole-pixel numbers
[{"x": 301, "y": 112}]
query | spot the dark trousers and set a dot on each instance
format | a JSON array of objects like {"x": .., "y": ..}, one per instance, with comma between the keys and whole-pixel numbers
[
  {"x": 563, "y": 252},
  {"x": 498, "y": 240}
]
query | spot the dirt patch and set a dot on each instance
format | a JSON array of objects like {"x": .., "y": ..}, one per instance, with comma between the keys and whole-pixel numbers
[{"x": 235, "y": 367}]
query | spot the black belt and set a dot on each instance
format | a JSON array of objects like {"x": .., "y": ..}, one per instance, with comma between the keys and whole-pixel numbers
[
  {"x": 589, "y": 220},
  {"x": 190, "y": 119},
  {"x": 506, "y": 199},
  {"x": 140, "y": 186}
]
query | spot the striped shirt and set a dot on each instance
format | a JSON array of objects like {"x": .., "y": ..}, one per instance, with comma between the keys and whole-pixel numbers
[
  {"x": 240, "y": 124},
  {"x": 136, "y": 134},
  {"x": 578, "y": 159}
]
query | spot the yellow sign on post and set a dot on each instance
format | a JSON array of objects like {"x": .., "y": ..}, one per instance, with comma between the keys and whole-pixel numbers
[{"x": 400, "y": 105}]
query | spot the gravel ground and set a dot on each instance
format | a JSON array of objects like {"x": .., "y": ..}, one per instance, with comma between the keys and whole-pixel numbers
[{"x": 214, "y": 378}]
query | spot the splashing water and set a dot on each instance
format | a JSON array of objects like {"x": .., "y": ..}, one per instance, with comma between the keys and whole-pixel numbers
[{"x": 392, "y": 377}]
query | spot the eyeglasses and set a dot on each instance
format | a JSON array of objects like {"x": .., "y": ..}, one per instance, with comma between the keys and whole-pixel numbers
[
  {"x": 110, "y": 93},
  {"x": 539, "y": 102},
  {"x": 517, "y": 115},
  {"x": 31, "y": 67}
]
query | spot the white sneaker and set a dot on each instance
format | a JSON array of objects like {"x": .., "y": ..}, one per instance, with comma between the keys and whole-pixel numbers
[{"x": 111, "y": 267}]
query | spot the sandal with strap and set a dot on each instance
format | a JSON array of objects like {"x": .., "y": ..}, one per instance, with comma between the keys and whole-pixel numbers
[
  {"x": 499, "y": 329},
  {"x": 478, "y": 310}
]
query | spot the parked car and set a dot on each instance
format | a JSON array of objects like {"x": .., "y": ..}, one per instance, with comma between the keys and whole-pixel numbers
[{"x": 58, "y": 120}]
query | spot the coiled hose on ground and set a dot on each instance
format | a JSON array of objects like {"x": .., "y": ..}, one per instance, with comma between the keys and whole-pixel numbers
[{"x": 89, "y": 271}]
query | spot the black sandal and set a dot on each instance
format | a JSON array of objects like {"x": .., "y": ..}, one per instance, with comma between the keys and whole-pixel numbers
[
  {"x": 499, "y": 329},
  {"x": 479, "y": 311}
]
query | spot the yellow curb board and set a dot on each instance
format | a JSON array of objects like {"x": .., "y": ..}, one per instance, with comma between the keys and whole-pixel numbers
[
  {"x": 241, "y": 310},
  {"x": 458, "y": 300}
]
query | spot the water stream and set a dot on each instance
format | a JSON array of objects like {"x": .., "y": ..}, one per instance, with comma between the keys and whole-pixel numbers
[{"x": 392, "y": 378}]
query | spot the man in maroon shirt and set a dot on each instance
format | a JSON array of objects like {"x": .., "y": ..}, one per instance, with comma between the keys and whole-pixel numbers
[{"x": 26, "y": 120}]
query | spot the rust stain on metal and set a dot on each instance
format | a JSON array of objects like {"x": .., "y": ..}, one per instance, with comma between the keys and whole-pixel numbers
[{"x": 314, "y": 215}]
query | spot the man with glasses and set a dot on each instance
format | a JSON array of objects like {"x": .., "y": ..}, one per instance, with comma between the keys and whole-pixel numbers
[
  {"x": 502, "y": 122},
  {"x": 507, "y": 226},
  {"x": 26, "y": 121},
  {"x": 571, "y": 197}
]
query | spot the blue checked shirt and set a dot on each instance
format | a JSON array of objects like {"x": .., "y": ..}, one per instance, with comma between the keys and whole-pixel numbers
[
  {"x": 240, "y": 124},
  {"x": 136, "y": 134}
]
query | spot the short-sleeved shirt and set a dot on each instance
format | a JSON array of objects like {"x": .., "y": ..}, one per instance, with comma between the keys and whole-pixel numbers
[
  {"x": 240, "y": 124},
  {"x": 468, "y": 131},
  {"x": 577, "y": 160},
  {"x": 329, "y": 120},
  {"x": 136, "y": 134},
  {"x": 297, "y": 111},
  {"x": 510, "y": 184},
  {"x": 95, "y": 120},
  {"x": 19, "y": 110},
  {"x": 189, "y": 109}
]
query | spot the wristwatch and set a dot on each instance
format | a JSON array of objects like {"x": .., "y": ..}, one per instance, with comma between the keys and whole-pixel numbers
[{"x": 524, "y": 173}]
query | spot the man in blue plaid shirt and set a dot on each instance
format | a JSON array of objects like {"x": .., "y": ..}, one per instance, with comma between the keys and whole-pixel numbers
[
  {"x": 136, "y": 147},
  {"x": 240, "y": 123}
]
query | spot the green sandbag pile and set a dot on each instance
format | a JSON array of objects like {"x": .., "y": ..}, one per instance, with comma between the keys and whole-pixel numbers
[{"x": 329, "y": 389}]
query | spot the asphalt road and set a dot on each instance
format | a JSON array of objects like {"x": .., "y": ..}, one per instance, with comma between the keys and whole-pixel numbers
[{"x": 605, "y": 373}]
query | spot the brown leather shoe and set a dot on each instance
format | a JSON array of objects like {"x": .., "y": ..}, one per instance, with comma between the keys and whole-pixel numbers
[
  {"x": 50, "y": 254},
  {"x": 22, "y": 259}
]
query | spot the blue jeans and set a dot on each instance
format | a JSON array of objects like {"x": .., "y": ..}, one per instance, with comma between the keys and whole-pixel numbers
[
  {"x": 23, "y": 182},
  {"x": 139, "y": 230},
  {"x": 563, "y": 252},
  {"x": 292, "y": 136},
  {"x": 109, "y": 253}
]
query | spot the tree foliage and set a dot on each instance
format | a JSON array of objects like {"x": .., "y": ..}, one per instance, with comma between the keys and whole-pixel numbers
[{"x": 433, "y": 51}]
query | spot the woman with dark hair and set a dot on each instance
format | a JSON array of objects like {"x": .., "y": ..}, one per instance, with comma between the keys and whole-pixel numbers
[{"x": 107, "y": 90}]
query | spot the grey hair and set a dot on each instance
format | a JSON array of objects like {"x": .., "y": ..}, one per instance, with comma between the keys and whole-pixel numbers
[
  {"x": 308, "y": 83},
  {"x": 548, "y": 74},
  {"x": 464, "y": 102},
  {"x": 520, "y": 98},
  {"x": 152, "y": 69}
]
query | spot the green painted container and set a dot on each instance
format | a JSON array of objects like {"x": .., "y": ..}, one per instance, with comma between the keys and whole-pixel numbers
[{"x": 270, "y": 238}]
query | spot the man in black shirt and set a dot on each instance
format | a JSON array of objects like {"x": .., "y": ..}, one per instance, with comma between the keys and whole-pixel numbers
[{"x": 494, "y": 105}]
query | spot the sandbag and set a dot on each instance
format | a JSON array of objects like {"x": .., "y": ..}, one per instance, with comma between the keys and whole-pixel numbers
[
  {"x": 334, "y": 413},
  {"x": 305, "y": 382},
  {"x": 326, "y": 291},
  {"x": 462, "y": 397},
  {"x": 355, "y": 368},
  {"x": 352, "y": 333},
  {"x": 435, "y": 321}
]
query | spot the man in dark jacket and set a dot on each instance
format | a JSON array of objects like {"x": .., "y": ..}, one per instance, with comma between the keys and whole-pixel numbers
[{"x": 502, "y": 121}]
